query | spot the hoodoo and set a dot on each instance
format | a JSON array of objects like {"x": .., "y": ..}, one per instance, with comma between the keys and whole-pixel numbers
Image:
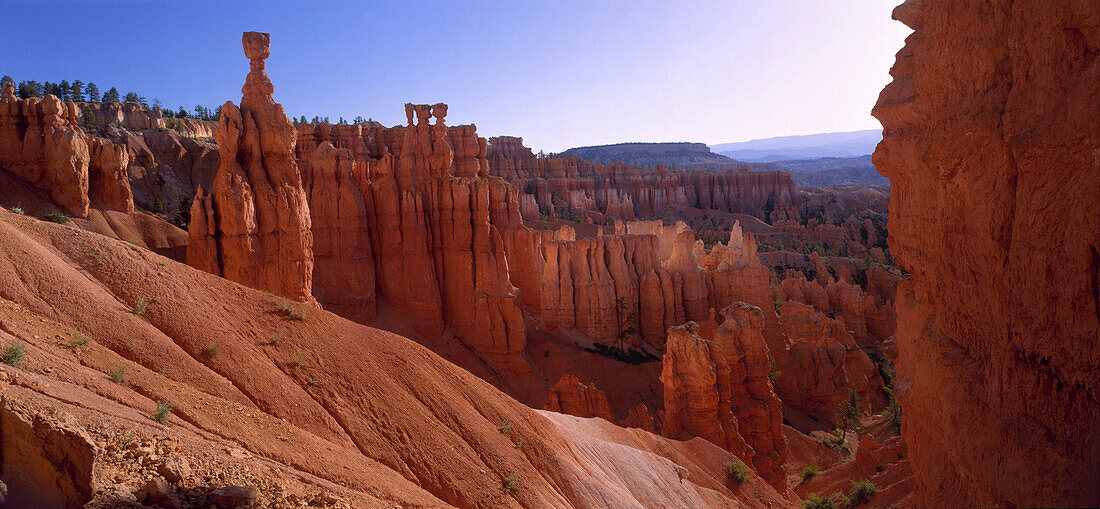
[
  {"x": 990, "y": 143},
  {"x": 253, "y": 225}
]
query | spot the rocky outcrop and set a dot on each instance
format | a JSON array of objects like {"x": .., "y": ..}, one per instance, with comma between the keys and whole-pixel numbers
[
  {"x": 108, "y": 178},
  {"x": 718, "y": 388},
  {"x": 990, "y": 143},
  {"x": 41, "y": 143},
  {"x": 253, "y": 226},
  {"x": 46, "y": 463},
  {"x": 570, "y": 396},
  {"x": 820, "y": 363}
]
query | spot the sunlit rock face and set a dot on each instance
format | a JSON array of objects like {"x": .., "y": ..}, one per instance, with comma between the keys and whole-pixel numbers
[{"x": 991, "y": 145}]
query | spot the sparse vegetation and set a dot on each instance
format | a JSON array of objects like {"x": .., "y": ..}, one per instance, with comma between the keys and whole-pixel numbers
[
  {"x": 140, "y": 305},
  {"x": 505, "y": 427},
  {"x": 298, "y": 359},
  {"x": 56, "y": 217},
  {"x": 834, "y": 441},
  {"x": 777, "y": 293},
  {"x": 773, "y": 373},
  {"x": 809, "y": 471},
  {"x": 630, "y": 356},
  {"x": 510, "y": 482},
  {"x": 78, "y": 341},
  {"x": 862, "y": 491},
  {"x": 818, "y": 502},
  {"x": 14, "y": 353},
  {"x": 314, "y": 382},
  {"x": 17, "y": 210},
  {"x": 738, "y": 471},
  {"x": 288, "y": 310},
  {"x": 893, "y": 411},
  {"x": 118, "y": 376},
  {"x": 212, "y": 350},
  {"x": 163, "y": 412},
  {"x": 276, "y": 338}
]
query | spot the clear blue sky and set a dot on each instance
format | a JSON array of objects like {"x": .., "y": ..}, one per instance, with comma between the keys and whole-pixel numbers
[{"x": 559, "y": 73}]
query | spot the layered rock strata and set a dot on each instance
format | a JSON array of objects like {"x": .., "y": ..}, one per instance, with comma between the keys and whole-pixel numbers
[{"x": 626, "y": 192}]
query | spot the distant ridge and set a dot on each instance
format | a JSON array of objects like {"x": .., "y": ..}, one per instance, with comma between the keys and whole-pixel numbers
[
  {"x": 681, "y": 154},
  {"x": 810, "y": 146}
]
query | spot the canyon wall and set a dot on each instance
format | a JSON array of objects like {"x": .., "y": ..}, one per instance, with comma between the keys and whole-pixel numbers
[
  {"x": 990, "y": 143},
  {"x": 627, "y": 192}
]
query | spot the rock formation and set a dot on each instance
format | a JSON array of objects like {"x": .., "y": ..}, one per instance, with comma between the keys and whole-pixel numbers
[
  {"x": 990, "y": 143},
  {"x": 253, "y": 226},
  {"x": 718, "y": 388},
  {"x": 570, "y": 396},
  {"x": 575, "y": 185},
  {"x": 42, "y": 143},
  {"x": 820, "y": 363}
]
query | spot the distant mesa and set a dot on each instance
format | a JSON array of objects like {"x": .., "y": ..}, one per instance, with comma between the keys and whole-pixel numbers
[
  {"x": 810, "y": 146},
  {"x": 681, "y": 154}
]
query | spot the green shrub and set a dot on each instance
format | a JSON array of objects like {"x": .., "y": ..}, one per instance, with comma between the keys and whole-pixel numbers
[
  {"x": 738, "y": 471},
  {"x": 119, "y": 375},
  {"x": 140, "y": 305},
  {"x": 212, "y": 350},
  {"x": 55, "y": 217},
  {"x": 276, "y": 338},
  {"x": 505, "y": 427},
  {"x": 14, "y": 353},
  {"x": 78, "y": 341},
  {"x": 809, "y": 471},
  {"x": 818, "y": 502},
  {"x": 288, "y": 310},
  {"x": 17, "y": 210},
  {"x": 163, "y": 412},
  {"x": 862, "y": 491},
  {"x": 510, "y": 482}
]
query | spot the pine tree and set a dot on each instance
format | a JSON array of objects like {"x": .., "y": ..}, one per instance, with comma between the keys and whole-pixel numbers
[
  {"x": 848, "y": 413},
  {"x": 111, "y": 96},
  {"x": 7, "y": 78},
  {"x": 182, "y": 113},
  {"x": 93, "y": 93},
  {"x": 76, "y": 91},
  {"x": 359, "y": 119},
  {"x": 63, "y": 87},
  {"x": 131, "y": 98}
]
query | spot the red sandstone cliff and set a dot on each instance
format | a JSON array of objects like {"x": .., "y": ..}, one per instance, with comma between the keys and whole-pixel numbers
[{"x": 990, "y": 144}]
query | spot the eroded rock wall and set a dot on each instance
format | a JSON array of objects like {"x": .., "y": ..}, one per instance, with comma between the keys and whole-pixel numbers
[{"x": 990, "y": 143}]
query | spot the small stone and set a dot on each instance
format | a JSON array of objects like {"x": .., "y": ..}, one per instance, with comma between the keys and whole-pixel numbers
[
  {"x": 231, "y": 497},
  {"x": 175, "y": 470},
  {"x": 158, "y": 493}
]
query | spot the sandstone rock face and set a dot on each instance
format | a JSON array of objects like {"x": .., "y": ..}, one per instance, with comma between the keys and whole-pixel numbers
[
  {"x": 253, "y": 226},
  {"x": 109, "y": 181},
  {"x": 570, "y": 396},
  {"x": 45, "y": 464},
  {"x": 990, "y": 144},
  {"x": 718, "y": 388},
  {"x": 820, "y": 363},
  {"x": 427, "y": 227}
]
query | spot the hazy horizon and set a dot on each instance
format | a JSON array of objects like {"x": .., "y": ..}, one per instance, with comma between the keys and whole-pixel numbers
[{"x": 560, "y": 75}]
